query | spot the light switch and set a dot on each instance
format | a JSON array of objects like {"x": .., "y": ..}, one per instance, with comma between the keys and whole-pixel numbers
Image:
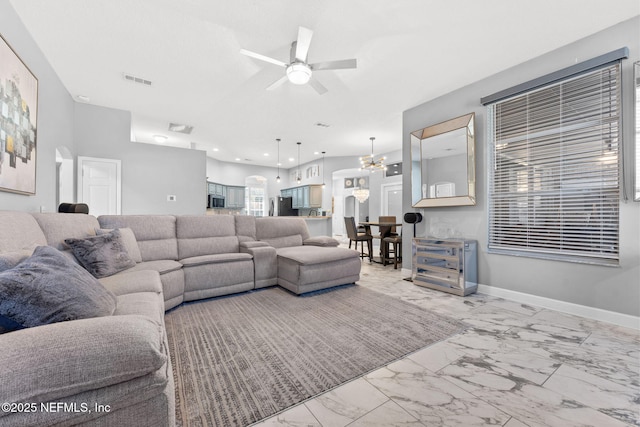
[{"x": 171, "y": 198}]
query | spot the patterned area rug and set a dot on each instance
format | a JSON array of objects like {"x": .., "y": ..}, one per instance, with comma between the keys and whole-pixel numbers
[{"x": 242, "y": 358}]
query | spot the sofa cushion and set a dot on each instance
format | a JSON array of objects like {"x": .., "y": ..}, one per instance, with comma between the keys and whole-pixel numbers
[
  {"x": 268, "y": 228},
  {"x": 161, "y": 266},
  {"x": 102, "y": 255},
  {"x": 310, "y": 255},
  {"x": 245, "y": 227},
  {"x": 215, "y": 259},
  {"x": 294, "y": 240},
  {"x": 60, "y": 226},
  {"x": 128, "y": 282},
  {"x": 148, "y": 304},
  {"x": 19, "y": 230},
  {"x": 47, "y": 288},
  {"x": 128, "y": 240},
  {"x": 11, "y": 259},
  {"x": 64, "y": 359},
  {"x": 155, "y": 234},
  {"x": 205, "y": 234},
  {"x": 325, "y": 241}
]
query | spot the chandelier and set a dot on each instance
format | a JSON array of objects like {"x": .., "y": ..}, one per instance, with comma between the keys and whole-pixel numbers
[
  {"x": 362, "y": 194},
  {"x": 370, "y": 163}
]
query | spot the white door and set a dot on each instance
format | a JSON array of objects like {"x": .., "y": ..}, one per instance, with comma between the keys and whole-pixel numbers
[
  {"x": 99, "y": 185},
  {"x": 392, "y": 201}
]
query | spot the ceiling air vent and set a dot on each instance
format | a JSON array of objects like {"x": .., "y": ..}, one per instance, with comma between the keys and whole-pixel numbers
[
  {"x": 133, "y": 79},
  {"x": 180, "y": 128}
]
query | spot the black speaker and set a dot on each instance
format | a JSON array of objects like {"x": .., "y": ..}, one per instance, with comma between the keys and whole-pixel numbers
[{"x": 412, "y": 217}]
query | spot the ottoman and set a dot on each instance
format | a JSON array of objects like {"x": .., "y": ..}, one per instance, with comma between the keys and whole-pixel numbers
[{"x": 310, "y": 268}]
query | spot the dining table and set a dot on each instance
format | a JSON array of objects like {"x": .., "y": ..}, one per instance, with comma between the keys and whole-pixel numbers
[{"x": 385, "y": 231}]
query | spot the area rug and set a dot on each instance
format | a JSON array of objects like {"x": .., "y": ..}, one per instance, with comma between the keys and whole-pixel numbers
[{"x": 242, "y": 358}]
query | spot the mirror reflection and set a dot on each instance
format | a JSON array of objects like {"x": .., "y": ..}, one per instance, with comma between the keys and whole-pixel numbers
[{"x": 443, "y": 164}]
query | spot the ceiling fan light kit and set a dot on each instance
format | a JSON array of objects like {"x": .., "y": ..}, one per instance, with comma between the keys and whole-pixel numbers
[{"x": 298, "y": 71}]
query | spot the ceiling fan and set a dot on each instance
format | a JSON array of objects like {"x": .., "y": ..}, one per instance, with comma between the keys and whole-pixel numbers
[{"x": 298, "y": 70}]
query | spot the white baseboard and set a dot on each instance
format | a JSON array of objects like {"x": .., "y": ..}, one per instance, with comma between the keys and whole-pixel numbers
[{"x": 619, "y": 319}]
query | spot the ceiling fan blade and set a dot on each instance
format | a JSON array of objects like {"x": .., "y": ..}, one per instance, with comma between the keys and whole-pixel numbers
[
  {"x": 302, "y": 43},
  {"x": 317, "y": 86},
  {"x": 334, "y": 65},
  {"x": 277, "y": 83},
  {"x": 262, "y": 57}
]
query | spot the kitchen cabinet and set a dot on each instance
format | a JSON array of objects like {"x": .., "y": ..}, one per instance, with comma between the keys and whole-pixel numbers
[
  {"x": 304, "y": 197},
  {"x": 315, "y": 196},
  {"x": 235, "y": 197}
]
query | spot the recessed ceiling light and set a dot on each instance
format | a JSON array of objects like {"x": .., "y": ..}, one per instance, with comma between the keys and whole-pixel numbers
[
  {"x": 216, "y": 149},
  {"x": 279, "y": 164},
  {"x": 266, "y": 154},
  {"x": 291, "y": 159},
  {"x": 83, "y": 98},
  {"x": 237, "y": 159},
  {"x": 159, "y": 138},
  {"x": 315, "y": 153}
]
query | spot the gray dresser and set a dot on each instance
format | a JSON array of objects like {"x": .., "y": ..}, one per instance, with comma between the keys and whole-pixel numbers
[{"x": 449, "y": 265}]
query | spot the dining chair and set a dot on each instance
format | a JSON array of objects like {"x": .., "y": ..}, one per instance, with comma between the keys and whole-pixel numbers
[
  {"x": 392, "y": 255},
  {"x": 354, "y": 236},
  {"x": 385, "y": 231}
]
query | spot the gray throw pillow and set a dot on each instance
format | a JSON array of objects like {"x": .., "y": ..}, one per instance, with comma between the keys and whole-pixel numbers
[
  {"x": 103, "y": 255},
  {"x": 48, "y": 287},
  {"x": 128, "y": 240}
]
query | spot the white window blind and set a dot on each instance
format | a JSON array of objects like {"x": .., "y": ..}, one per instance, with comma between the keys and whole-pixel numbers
[{"x": 554, "y": 170}]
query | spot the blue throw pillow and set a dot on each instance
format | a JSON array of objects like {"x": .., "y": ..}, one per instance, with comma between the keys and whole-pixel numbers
[{"x": 48, "y": 287}]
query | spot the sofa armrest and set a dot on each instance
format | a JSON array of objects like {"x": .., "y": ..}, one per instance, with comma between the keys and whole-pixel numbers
[
  {"x": 321, "y": 241},
  {"x": 252, "y": 244},
  {"x": 63, "y": 359},
  {"x": 265, "y": 263}
]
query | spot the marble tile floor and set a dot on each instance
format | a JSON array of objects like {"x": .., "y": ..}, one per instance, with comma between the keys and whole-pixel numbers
[{"x": 516, "y": 365}]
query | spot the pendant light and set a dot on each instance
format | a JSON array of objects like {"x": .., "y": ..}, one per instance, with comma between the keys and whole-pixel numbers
[
  {"x": 299, "y": 176},
  {"x": 278, "y": 177}
]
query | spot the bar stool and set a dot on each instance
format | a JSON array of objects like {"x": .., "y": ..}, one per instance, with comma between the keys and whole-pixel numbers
[{"x": 396, "y": 241}]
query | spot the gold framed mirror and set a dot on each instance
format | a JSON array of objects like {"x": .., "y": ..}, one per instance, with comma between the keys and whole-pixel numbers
[{"x": 443, "y": 169}]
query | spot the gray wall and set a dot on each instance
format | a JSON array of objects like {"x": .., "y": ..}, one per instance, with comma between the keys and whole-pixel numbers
[
  {"x": 55, "y": 116},
  {"x": 608, "y": 288},
  {"x": 149, "y": 172}
]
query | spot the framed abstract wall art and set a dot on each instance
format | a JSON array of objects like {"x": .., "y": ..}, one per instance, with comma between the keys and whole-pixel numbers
[{"x": 18, "y": 123}]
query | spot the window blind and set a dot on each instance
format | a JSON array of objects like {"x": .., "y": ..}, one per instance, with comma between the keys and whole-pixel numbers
[{"x": 554, "y": 176}]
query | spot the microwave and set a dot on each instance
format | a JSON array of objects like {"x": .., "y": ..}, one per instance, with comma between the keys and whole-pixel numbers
[{"x": 215, "y": 202}]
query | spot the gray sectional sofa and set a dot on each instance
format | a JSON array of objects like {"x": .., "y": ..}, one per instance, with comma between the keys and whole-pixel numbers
[{"x": 121, "y": 362}]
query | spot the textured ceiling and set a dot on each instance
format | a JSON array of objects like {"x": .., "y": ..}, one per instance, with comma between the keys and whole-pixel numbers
[{"x": 408, "y": 52}]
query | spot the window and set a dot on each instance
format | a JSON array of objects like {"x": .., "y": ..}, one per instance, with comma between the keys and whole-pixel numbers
[
  {"x": 554, "y": 169},
  {"x": 256, "y": 195}
]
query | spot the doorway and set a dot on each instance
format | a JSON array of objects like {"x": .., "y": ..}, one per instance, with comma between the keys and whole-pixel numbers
[
  {"x": 392, "y": 200},
  {"x": 64, "y": 176},
  {"x": 100, "y": 185}
]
